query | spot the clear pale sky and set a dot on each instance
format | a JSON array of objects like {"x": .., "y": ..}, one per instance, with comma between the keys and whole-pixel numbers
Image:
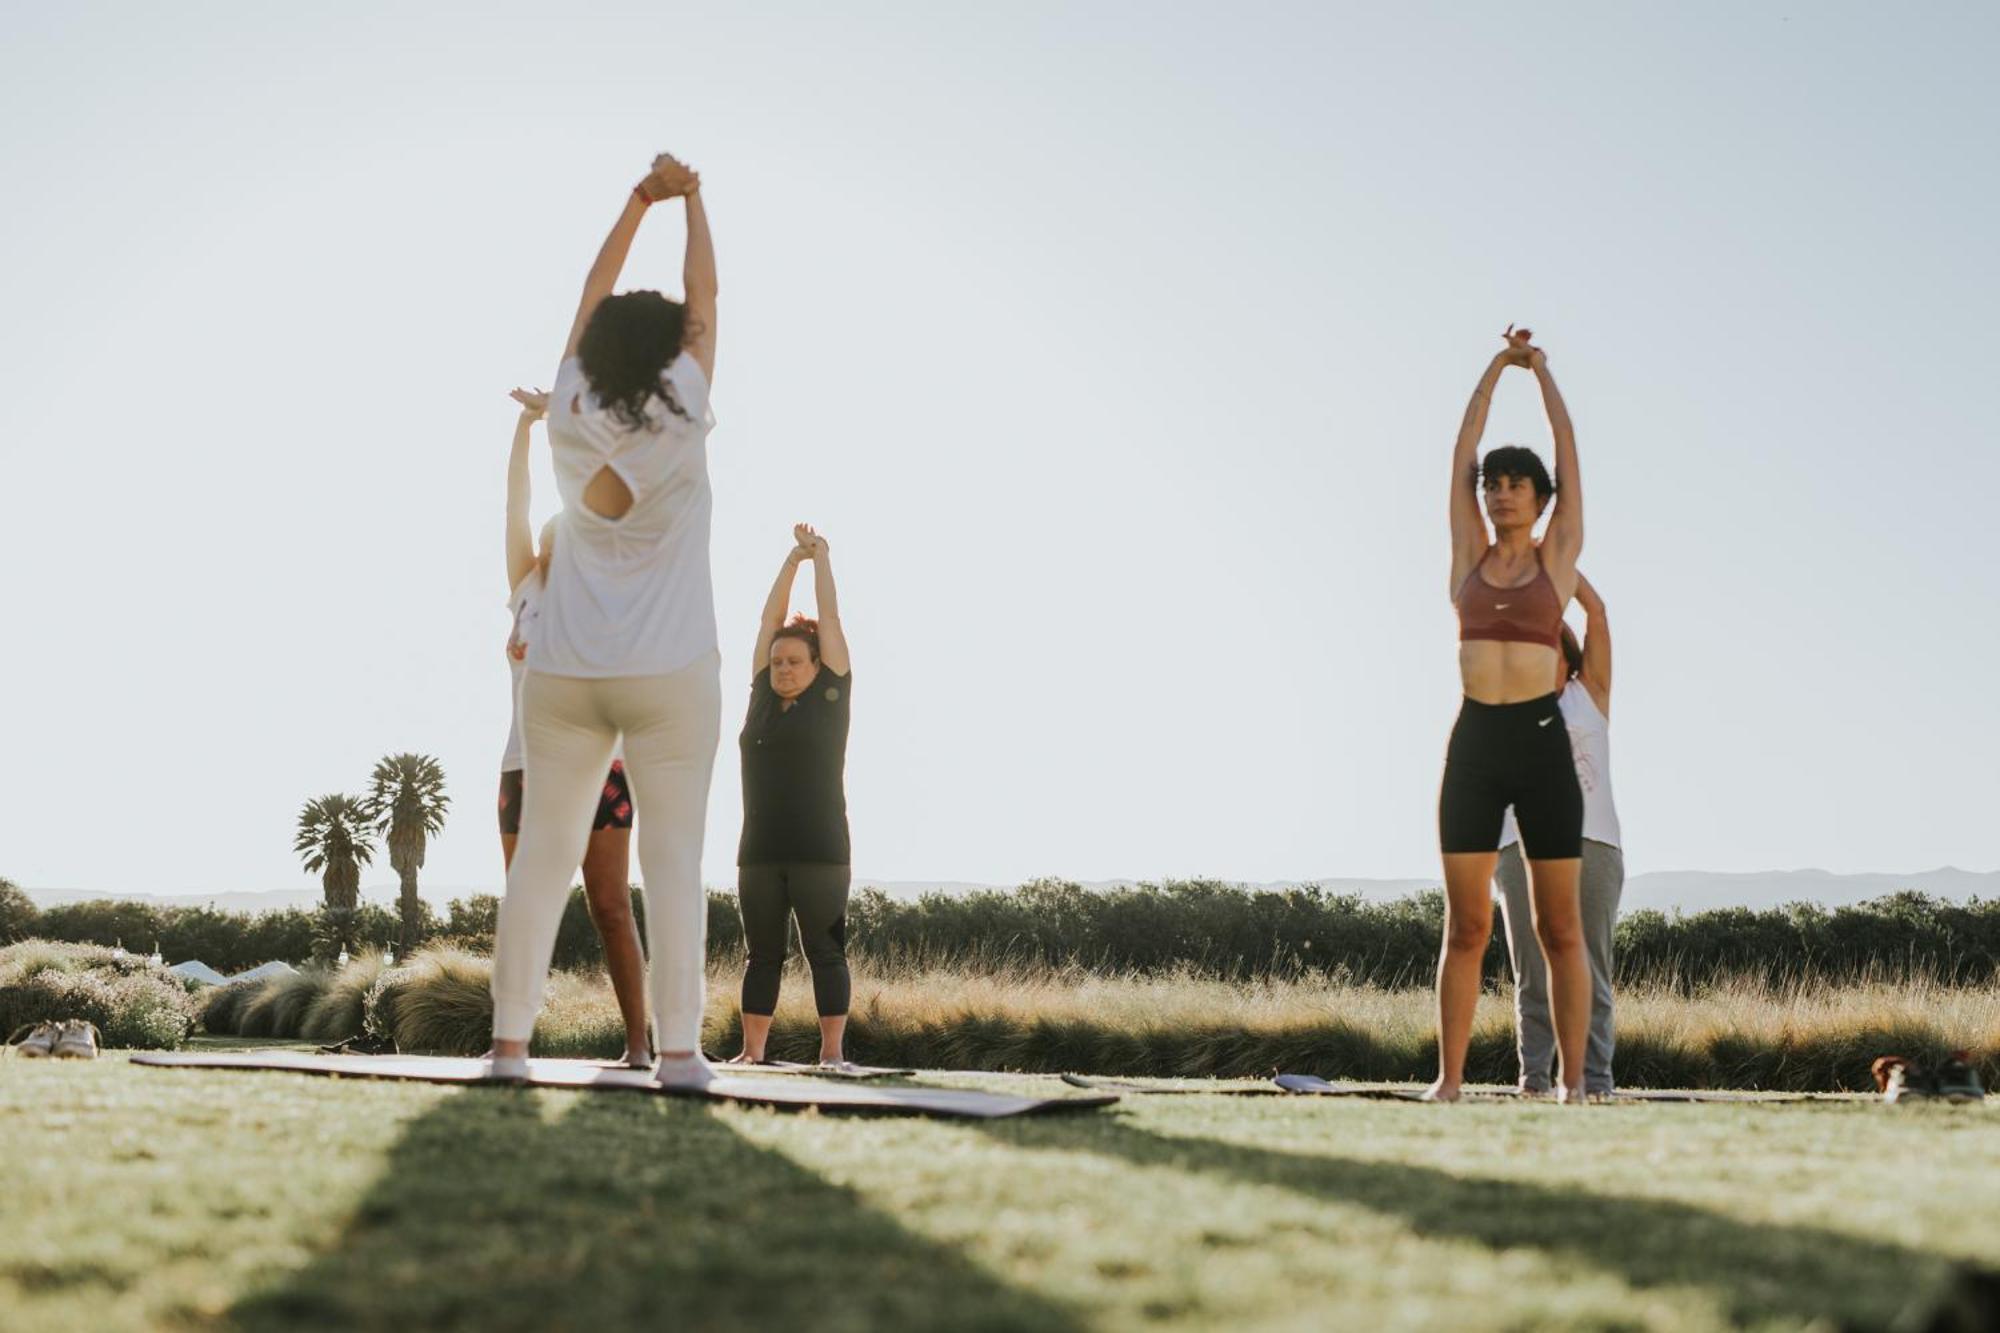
[{"x": 1117, "y": 350}]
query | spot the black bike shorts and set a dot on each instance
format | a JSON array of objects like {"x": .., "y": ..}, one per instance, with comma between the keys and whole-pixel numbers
[{"x": 1511, "y": 755}]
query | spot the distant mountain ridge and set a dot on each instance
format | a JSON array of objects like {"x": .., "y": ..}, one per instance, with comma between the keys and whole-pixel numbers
[
  {"x": 1701, "y": 890},
  {"x": 1664, "y": 890},
  {"x": 238, "y": 900}
]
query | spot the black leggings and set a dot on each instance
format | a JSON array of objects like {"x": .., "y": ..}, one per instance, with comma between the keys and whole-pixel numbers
[
  {"x": 768, "y": 896},
  {"x": 1518, "y": 755}
]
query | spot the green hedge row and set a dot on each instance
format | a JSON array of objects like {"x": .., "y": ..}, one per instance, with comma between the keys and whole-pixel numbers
[
  {"x": 1226, "y": 931},
  {"x": 1216, "y": 929}
]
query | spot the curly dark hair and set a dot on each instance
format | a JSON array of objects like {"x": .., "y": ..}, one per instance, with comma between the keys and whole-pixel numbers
[
  {"x": 803, "y": 628},
  {"x": 628, "y": 344},
  {"x": 1572, "y": 652},
  {"x": 1517, "y": 460}
]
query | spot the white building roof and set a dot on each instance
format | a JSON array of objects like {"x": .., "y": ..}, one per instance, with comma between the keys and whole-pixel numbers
[{"x": 272, "y": 969}]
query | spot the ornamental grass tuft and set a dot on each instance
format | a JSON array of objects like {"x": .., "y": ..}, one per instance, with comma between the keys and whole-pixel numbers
[{"x": 340, "y": 1010}]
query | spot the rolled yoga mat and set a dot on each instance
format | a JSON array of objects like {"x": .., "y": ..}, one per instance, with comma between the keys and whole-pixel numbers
[{"x": 797, "y": 1093}]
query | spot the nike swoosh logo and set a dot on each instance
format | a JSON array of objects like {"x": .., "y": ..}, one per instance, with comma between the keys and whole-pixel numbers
[
  {"x": 1501, "y": 606},
  {"x": 1545, "y": 721}
]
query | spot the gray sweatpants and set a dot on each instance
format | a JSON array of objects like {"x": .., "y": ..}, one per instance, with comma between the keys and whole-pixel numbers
[{"x": 1535, "y": 1035}]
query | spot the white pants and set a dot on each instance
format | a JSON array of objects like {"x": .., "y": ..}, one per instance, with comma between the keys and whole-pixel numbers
[{"x": 569, "y": 726}]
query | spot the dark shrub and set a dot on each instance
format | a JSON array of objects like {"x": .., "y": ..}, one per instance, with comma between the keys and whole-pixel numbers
[{"x": 20, "y": 919}]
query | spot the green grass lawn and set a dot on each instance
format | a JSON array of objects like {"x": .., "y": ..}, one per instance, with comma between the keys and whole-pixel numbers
[{"x": 183, "y": 1199}]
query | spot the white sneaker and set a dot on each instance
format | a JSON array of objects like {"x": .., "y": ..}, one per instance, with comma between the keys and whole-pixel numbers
[
  {"x": 78, "y": 1041},
  {"x": 690, "y": 1072},
  {"x": 506, "y": 1069}
]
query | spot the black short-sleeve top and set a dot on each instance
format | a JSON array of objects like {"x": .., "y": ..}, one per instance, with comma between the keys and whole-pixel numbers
[{"x": 794, "y": 773}]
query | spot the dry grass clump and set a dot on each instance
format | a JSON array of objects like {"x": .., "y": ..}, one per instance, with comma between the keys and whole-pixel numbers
[
  {"x": 1027, "y": 1018},
  {"x": 1741, "y": 1034},
  {"x": 1164, "y": 1024},
  {"x": 1746, "y": 1033},
  {"x": 337, "y": 1014},
  {"x": 439, "y": 1003},
  {"x": 220, "y": 1009},
  {"x": 277, "y": 1007}
]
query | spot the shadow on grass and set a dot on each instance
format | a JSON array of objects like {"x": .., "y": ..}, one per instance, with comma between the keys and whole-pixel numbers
[
  {"x": 1756, "y": 1272},
  {"x": 622, "y": 1211}
]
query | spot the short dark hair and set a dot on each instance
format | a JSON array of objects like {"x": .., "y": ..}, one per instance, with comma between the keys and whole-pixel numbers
[
  {"x": 803, "y": 628},
  {"x": 1517, "y": 460}
]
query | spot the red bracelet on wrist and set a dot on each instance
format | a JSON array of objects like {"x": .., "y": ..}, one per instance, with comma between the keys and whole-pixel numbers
[{"x": 644, "y": 198}]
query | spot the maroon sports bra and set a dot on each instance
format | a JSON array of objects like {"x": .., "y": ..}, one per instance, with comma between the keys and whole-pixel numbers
[{"x": 1531, "y": 613}]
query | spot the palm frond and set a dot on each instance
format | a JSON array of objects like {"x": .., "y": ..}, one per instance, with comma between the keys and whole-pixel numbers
[
  {"x": 334, "y": 836},
  {"x": 406, "y": 796}
]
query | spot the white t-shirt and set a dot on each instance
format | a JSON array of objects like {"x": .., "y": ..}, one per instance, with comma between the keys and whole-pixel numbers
[
  {"x": 1590, "y": 747},
  {"x": 629, "y": 596},
  {"x": 526, "y": 607}
]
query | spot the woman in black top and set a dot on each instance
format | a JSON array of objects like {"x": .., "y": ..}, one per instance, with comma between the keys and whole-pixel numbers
[{"x": 793, "y": 860}]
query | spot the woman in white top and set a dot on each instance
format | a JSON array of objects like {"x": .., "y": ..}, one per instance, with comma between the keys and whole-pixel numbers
[
  {"x": 607, "y": 858},
  {"x": 1583, "y": 678},
  {"x": 626, "y": 645}
]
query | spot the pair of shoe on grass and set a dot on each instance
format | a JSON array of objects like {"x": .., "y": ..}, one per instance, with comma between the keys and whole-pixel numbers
[
  {"x": 1900, "y": 1079},
  {"x": 68, "y": 1039}
]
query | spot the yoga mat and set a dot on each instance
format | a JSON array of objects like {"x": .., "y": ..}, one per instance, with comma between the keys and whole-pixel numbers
[
  {"x": 588, "y": 1074},
  {"x": 859, "y": 1072},
  {"x": 1309, "y": 1083},
  {"x": 1724, "y": 1095},
  {"x": 1395, "y": 1092},
  {"x": 1163, "y": 1089}
]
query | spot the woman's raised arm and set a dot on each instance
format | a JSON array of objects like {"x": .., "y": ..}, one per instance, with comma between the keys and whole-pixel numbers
[
  {"x": 520, "y": 541},
  {"x": 775, "y": 607},
  {"x": 1596, "y": 673},
  {"x": 698, "y": 281},
  {"x": 1563, "y": 542},
  {"x": 667, "y": 179},
  {"x": 1468, "y": 527},
  {"x": 832, "y": 638}
]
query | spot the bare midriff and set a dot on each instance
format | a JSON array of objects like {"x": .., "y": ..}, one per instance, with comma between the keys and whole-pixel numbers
[{"x": 1506, "y": 673}]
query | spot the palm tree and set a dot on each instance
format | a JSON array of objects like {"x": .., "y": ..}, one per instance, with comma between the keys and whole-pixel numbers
[
  {"x": 336, "y": 841},
  {"x": 407, "y": 802}
]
